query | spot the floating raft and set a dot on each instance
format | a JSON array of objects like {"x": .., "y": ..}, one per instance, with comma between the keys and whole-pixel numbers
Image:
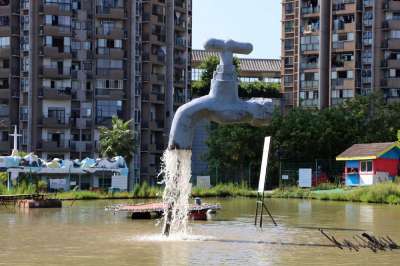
[
  {"x": 30, "y": 201},
  {"x": 155, "y": 210}
]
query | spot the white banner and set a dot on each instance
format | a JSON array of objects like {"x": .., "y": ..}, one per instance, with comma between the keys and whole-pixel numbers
[
  {"x": 305, "y": 177},
  {"x": 58, "y": 183},
  {"x": 203, "y": 182},
  {"x": 264, "y": 165}
]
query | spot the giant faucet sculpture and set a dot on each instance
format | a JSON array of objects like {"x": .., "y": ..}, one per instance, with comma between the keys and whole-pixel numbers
[{"x": 221, "y": 105}]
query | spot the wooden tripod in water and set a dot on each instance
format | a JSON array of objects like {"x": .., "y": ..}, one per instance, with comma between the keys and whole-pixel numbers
[{"x": 260, "y": 207}]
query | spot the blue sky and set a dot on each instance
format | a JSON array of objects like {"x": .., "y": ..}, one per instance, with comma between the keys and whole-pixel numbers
[{"x": 255, "y": 21}]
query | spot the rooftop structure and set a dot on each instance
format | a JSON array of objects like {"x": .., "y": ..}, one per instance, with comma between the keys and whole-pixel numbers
[{"x": 251, "y": 69}]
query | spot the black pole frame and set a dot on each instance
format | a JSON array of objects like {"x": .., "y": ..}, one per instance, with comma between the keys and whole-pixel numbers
[{"x": 260, "y": 207}]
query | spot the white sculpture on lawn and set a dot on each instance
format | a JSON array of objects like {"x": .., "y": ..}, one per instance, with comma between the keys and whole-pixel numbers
[{"x": 15, "y": 147}]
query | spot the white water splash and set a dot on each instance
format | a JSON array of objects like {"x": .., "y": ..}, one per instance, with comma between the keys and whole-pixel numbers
[
  {"x": 172, "y": 238},
  {"x": 176, "y": 166}
]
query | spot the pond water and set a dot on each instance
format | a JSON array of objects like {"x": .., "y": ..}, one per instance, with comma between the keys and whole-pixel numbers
[{"x": 84, "y": 234}]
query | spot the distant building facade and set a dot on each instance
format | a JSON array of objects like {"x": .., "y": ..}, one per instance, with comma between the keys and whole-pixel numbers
[
  {"x": 333, "y": 50},
  {"x": 68, "y": 66}
]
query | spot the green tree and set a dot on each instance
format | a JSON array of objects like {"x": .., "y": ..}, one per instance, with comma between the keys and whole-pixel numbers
[
  {"x": 259, "y": 89},
  {"x": 303, "y": 135},
  {"x": 118, "y": 140}
]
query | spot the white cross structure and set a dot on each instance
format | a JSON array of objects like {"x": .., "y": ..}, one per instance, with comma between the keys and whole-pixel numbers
[{"x": 15, "y": 135}]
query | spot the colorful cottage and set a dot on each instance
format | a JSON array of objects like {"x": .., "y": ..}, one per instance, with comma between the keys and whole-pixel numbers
[{"x": 368, "y": 164}]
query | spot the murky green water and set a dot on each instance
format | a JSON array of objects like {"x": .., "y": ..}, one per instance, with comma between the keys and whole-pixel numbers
[{"x": 85, "y": 234}]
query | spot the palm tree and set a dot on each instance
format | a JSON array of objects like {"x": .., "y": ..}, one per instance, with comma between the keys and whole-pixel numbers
[{"x": 119, "y": 140}]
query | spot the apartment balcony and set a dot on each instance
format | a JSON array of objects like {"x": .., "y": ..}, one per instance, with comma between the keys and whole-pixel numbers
[
  {"x": 180, "y": 25},
  {"x": 158, "y": 59},
  {"x": 309, "y": 102},
  {"x": 5, "y": 146},
  {"x": 180, "y": 5},
  {"x": 158, "y": 38},
  {"x": 309, "y": 84},
  {"x": 393, "y": 43},
  {"x": 343, "y": 83},
  {"x": 392, "y": 24},
  {"x": 5, "y": 93},
  {"x": 55, "y": 122},
  {"x": 310, "y": 49},
  {"x": 111, "y": 53},
  {"x": 111, "y": 94},
  {"x": 51, "y": 30},
  {"x": 144, "y": 147},
  {"x": 393, "y": 5},
  {"x": 344, "y": 46},
  {"x": 158, "y": 78},
  {"x": 156, "y": 148},
  {"x": 157, "y": 97},
  {"x": 54, "y": 52},
  {"x": 393, "y": 63},
  {"x": 158, "y": 19},
  {"x": 179, "y": 82},
  {"x": 110, "y": 73},
  {"x": 4, "y": 73},
  {"x": 55, "y": 146},
  {"x": 346, "y": 27},
  {"x": 309, "y": 66},
  {"x": 5, "y": 10},
  {"x": 4, "y": 119},
  {"x": 341, "y": 9},
  {"x": 393, "y": 82},
  {"x": 145, "y": 124},
  {"x": 180, "y": 43},
  {"x": 179, "y": 99},
  {"x": 5, "y": 52},
  {"x": 81, "y": 146},
  {"x": 104, "y": 121},
  {"x": 156, "y": 125},
  {"x": 56, "y": 94},
  {"x": 180, "y": 61},
  {"x": 344, "y": 65},
  {"x": 114, "y": 33},
  {"x": 58, "y": 9},
  {"x": 5, "y": 30},
  {"x": 81, "y": 123},
  {"x": 310, "y": 11},
  {"x": 110, "y": 13},
  {"x": 57, "y": 73}
]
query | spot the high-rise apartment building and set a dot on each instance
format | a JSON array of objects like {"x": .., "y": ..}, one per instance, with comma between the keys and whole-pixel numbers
[
  {"x": 68, "y": 66},
  {"x": 333, "y": 50}
]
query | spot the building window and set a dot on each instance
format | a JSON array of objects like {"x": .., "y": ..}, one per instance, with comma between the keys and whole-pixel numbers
[
  {"x": 289, "y": 43},
  {"x": 289, "y": 8},
  {"x": 366, "y": 166},
  {"x": 289, "y": 26},
  {"x": 4, "y": 42},
  {"x": 107, "y": 109}
]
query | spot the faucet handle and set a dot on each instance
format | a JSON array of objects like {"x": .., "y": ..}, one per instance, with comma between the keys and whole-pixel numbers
[{"x": 217, "y": 45}]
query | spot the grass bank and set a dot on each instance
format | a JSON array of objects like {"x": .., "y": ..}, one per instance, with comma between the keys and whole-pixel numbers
[
  {"x": 144, "y": 191},
  {"x": 388, "y": 193}
]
